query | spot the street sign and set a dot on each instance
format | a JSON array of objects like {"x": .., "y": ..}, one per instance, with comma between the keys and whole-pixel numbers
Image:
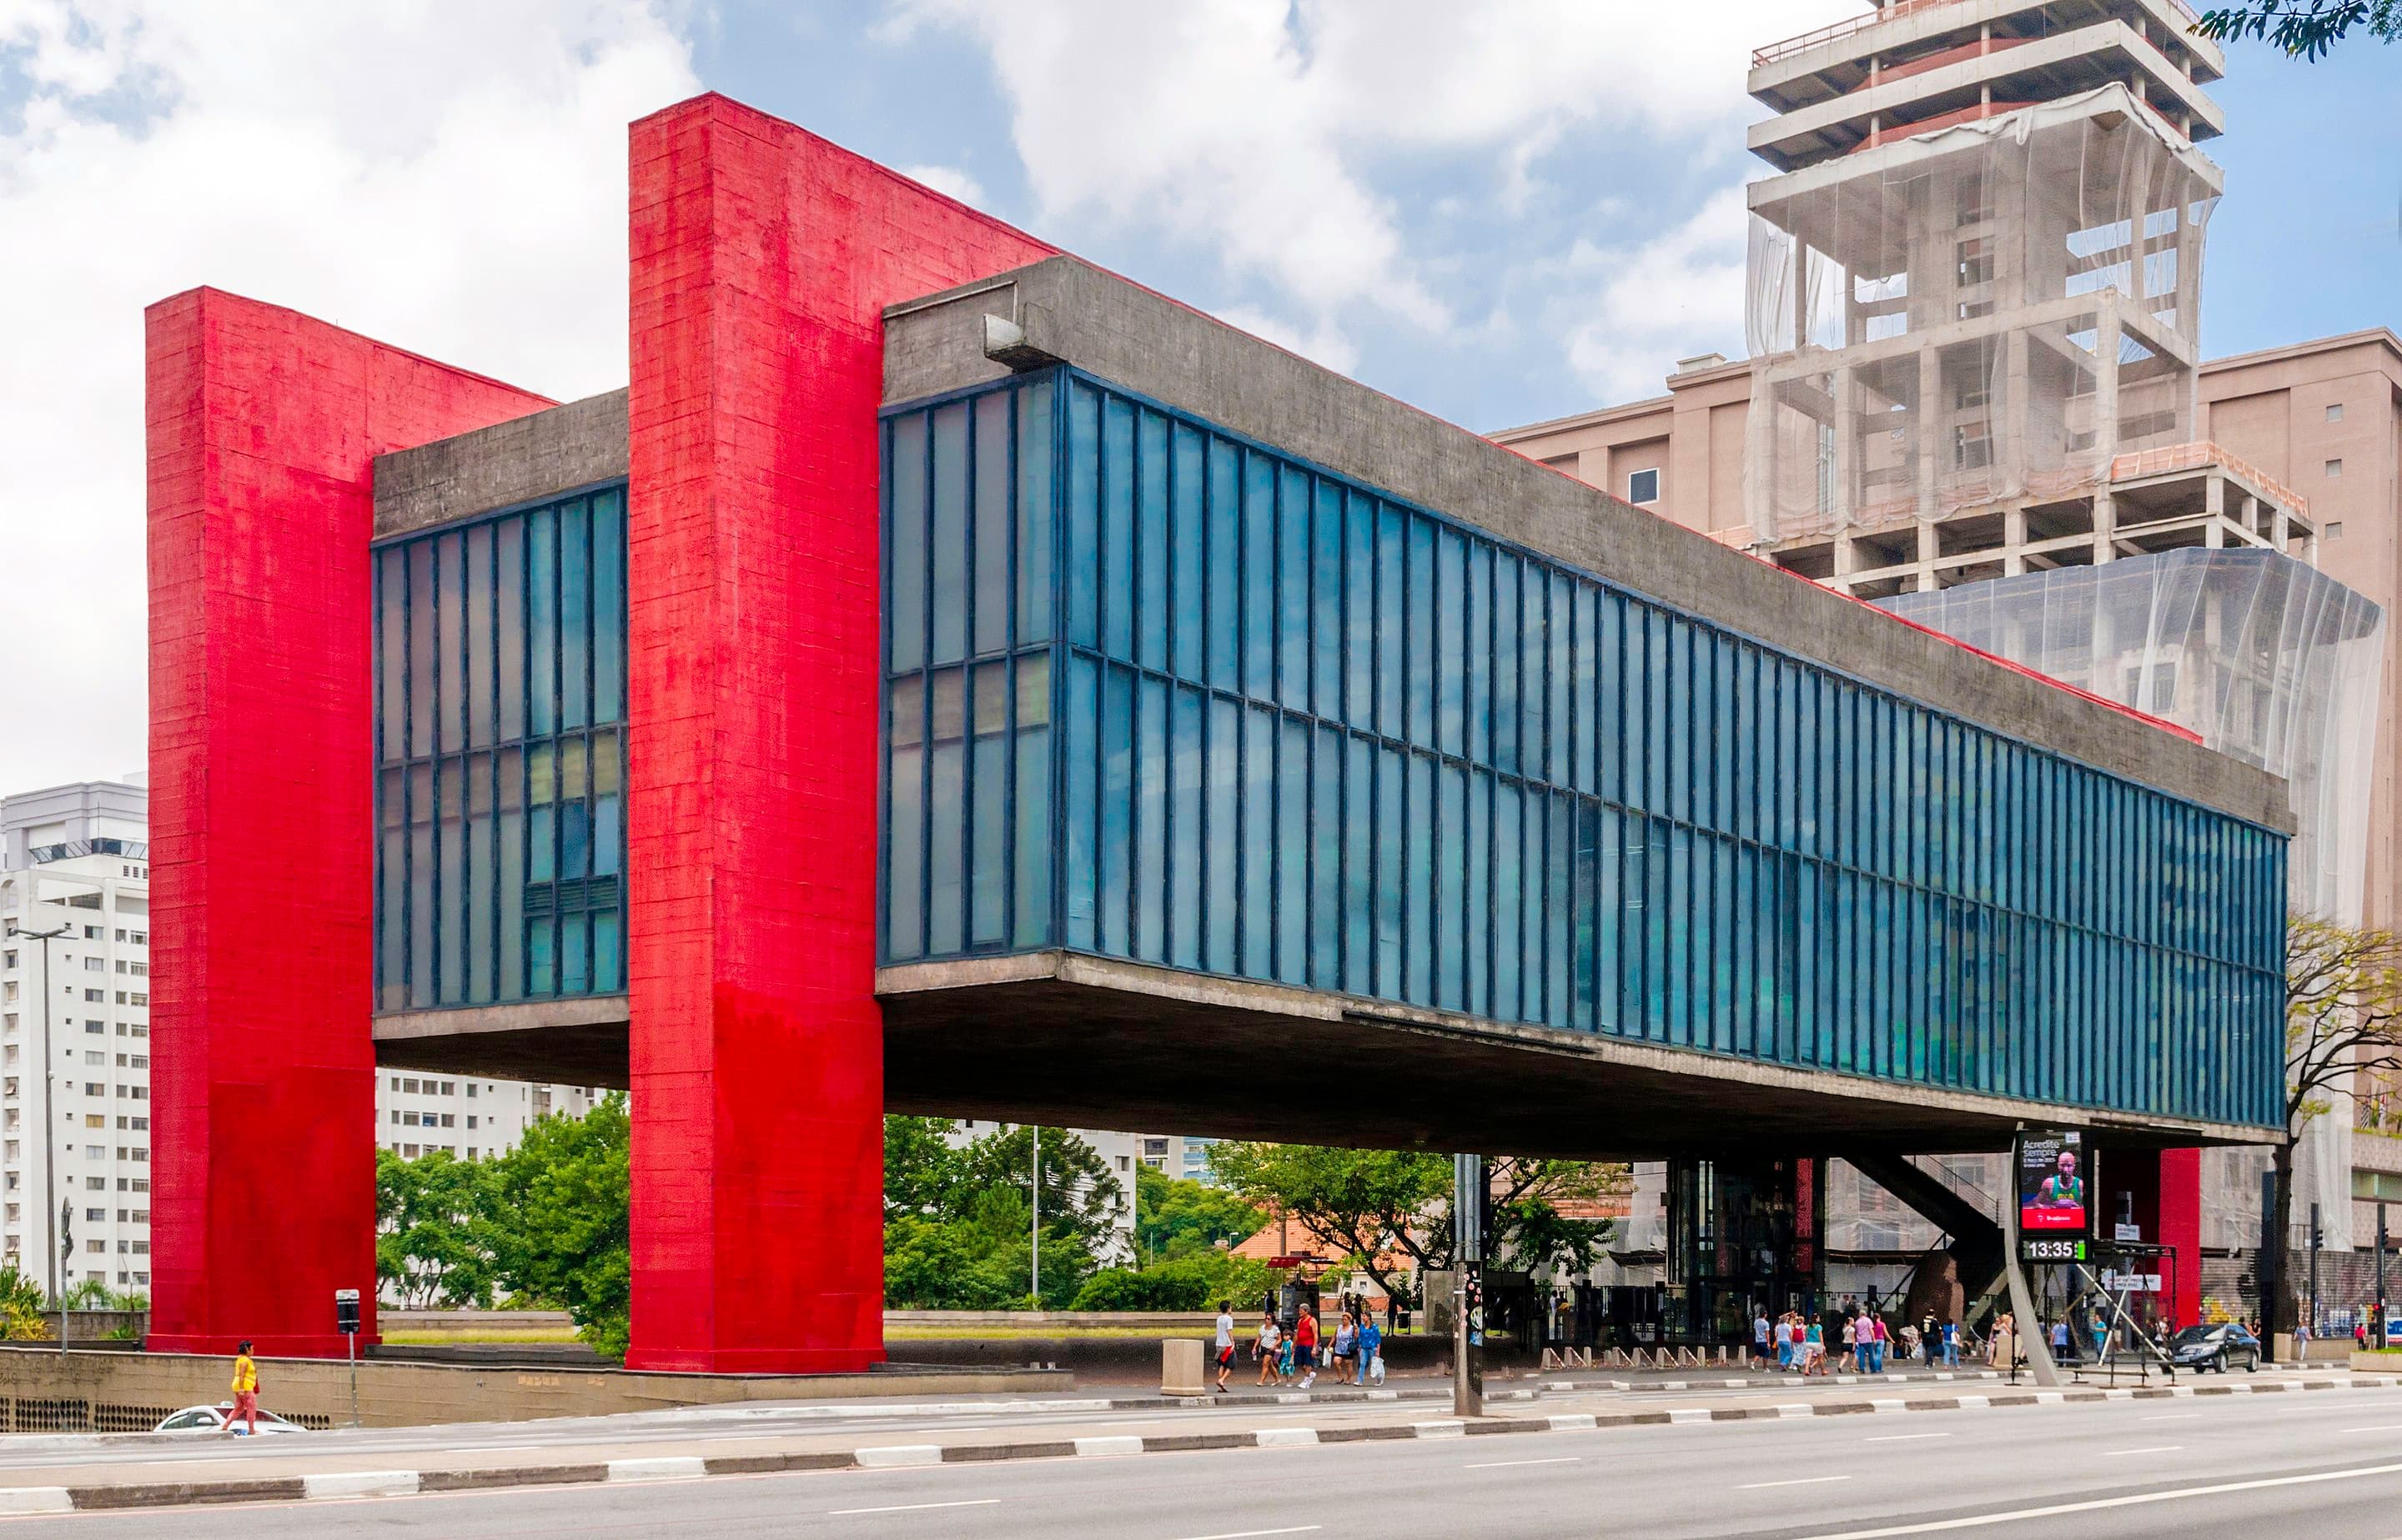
[
  {"x": 2141, "y": 1282},
  {"x": 2127, "y": 1233},
  {"x": 346, "y": 1311}
]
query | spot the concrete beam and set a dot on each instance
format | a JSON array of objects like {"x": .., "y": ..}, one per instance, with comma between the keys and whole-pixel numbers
[{"x": 579, "y": 444}]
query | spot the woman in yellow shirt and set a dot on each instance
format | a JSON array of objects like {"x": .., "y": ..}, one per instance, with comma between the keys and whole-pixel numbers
[{"x": 245, "y": 1391}]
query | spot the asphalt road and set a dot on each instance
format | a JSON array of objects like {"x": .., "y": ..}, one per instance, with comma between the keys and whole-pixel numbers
[{"x": 2327, "y": 1466}]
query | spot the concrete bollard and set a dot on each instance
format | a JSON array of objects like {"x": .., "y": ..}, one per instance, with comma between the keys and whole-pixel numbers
[{"x": 1179, "y": 1368}]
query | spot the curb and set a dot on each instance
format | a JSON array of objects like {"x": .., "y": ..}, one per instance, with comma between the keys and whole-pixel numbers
[{"x": 396, "y": 1483}]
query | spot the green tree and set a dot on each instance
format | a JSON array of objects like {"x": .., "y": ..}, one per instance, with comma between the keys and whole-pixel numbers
[
  {"x": 2343, "y": 1027},
  {"x": 1374, "y": 1203},
  {"x": 434, "y": 1230},
  {"x": 21, "y": 1307},
  {"x": 559, "y": 1220},
  {"x": 1174, "y": 1218},
  {"x": 923, "y": 1169},
  {"x": 2306, "y": 29},
  {"x": 958, "y": 1230}
]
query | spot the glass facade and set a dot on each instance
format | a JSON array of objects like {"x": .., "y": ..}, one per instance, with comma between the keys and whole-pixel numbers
[
  {"x": 500, "y": 750},
  {"x": 1298, "y": 732}
]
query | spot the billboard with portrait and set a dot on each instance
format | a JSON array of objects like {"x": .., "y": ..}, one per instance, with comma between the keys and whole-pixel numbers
[{"x": 2055, "y": 1183}]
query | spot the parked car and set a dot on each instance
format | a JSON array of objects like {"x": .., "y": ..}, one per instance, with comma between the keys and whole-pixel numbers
[
  {"x": 2216, "y": 1347},
  {"x": 197, "y": 1420}
]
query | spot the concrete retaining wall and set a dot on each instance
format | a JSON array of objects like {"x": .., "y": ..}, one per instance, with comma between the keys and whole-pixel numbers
[{"x": 404, "y": 1394}]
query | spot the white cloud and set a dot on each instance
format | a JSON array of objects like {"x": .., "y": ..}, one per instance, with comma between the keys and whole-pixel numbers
[
  {"x": 449, "y": 177},
  {"x": 950, "y": 181},
  {"x": 1628, "y": 311},
  {"x": 1256, "y": 130}
]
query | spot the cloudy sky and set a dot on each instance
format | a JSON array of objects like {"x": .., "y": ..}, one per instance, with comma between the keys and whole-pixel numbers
[{"x": 1502, "y": 209}]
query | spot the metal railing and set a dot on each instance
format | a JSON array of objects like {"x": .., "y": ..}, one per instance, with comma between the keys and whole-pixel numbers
[{"x": 1774, "y": 52}]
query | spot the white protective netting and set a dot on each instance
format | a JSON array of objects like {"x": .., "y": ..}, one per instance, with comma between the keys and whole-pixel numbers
[
  {"x": 2271, "y": 661},
  {"x": 1969, "y": 275}
]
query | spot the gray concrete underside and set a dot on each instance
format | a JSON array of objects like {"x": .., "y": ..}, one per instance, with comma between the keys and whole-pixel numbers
[
  {"x": 1065, "y": 1038},
  {"x": 563, "y": 1043}
]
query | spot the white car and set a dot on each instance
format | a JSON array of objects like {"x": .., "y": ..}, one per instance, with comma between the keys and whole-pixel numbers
[{"x": 211, "y": 1420}]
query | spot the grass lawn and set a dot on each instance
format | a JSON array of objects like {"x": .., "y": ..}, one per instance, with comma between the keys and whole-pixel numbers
[{"x": 406, "y": 1337}]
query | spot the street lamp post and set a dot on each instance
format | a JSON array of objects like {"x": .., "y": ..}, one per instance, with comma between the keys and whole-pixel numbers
[{"x": 49, "y": 1105}]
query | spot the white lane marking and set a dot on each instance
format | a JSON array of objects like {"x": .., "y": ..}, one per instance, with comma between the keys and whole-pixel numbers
[
  {"x": 2148, "y": 1449},
  {"x": 2169, "y": 1417},
  {"x": 664, "y": 1467},
  {"x": 1249, "y": 1534},
  {"x": 1797, "y": 1481},
  {"x": 2374, "y": 1427},
  {"x": 1503, "y": 1464},
  {"x": 889, "y": 1455},
  {"x": 360, "y": 1483},
  {"x": 1905, "y": 1437},
  {"x": 913, "y": 1508},
  {"x": 2020, "y": 1515}
]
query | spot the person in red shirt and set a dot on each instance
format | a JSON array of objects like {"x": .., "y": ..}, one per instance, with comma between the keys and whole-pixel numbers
[{"x": 1304, "y": 1346}]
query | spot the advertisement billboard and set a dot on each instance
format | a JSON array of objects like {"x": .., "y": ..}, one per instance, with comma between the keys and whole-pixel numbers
[{"x": 2055, "y": 1184}]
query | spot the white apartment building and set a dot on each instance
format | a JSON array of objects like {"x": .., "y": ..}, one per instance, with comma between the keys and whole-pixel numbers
[
  {"x": 75, "y": 1033},
  {"x": 1183, "y": 1156},
  {"x": 75, "y": 975}
]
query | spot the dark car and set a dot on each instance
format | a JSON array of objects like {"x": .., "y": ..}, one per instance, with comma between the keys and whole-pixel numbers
[{"x": 2215, "y": 1347}]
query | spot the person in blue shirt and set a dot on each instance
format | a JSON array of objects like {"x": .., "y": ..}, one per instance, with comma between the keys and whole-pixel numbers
[{"x": 1370, "y": 1339}]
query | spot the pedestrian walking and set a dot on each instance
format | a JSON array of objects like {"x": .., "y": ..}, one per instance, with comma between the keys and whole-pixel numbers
[
  {"x": 1930, "y": 1337},
  {"x": 1814, "y": 1350},
  {"x": 1759, "y": 1339},
  {"x": 1225, "y": 1343},
  {"x": 1266, "y": 1344},
  {"x": 1951, "y": 1343},
  {"x": 1370, "y": 1346},
  {"x": 1305, "y": 1348},
  {"x": 1785, "y": 1341},
  {"x": 1851, "y": 1346},
  {"x": 246, "y": 1393},
  {"x": 1346, "y": 1348}
]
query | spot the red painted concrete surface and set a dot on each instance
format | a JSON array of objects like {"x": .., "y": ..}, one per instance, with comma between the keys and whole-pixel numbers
[
  {"x": 2165, "y": 1189},
  {"x": 763, "y": 257},
  {"x": 262, "y": 425}
]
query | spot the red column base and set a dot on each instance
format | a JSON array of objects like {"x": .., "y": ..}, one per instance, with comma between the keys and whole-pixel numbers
[{"x": 753, "y": 1361}]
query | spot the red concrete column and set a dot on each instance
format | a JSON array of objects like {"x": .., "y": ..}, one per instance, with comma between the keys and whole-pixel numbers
[
  {"x": 2180, "y": 1204},
  {"x": 262, "y": 428},
  {"x": 763, "y": 257}
]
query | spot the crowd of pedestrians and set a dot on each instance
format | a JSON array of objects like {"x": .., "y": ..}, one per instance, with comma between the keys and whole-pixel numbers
[
  {"x": 1354, "y": 1356},
  {"x": 1800, "y": 1343}
]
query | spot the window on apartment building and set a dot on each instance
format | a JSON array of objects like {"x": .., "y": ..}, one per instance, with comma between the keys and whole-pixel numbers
[
  {"x": 141, "y": 1152},
  {"x": 471, "y": 1152},
  {"x": 1643, "y": 486},
  {"x": 408, "y": 1151},
  {"x": 91, "y": 932},
  {"x": 96, "y": 997},
  {"x": 449, "y": 1119},
  {"x": 449, "y": 1088},
  {"x": 95, "y": 1088},
  {"x": 2377, "y": 1186},
  {"x": 2335, "y": 413},
  {"x": 95, "y": 1184},
  {"x": 95, "y": 1056},
  {"x": 96, "y": 1214},
  {"x": 92, "y": 1028},
  {"x": 471, "y": 1120},
  {"x": 95, "y": 964},
  {"x": 140, "y": 1184},
  {"x": 409, "y": 1086},
  {"x": 95, "y": 1120},
  {"x": 2334, "y": 469},
  {"x": 470, "y": 1091},
  {"x": 395, "y": 1116},
  {"x": 8, "y": 1150},
  {"x": 2334, "y": 530},
  {"x": 138, "y": 999},
  {"x": 7, "y": 959},
  {"x": 101, "y": 1247}
]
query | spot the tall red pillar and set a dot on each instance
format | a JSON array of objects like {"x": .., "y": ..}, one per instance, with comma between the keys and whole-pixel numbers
[
  {"x": 2180, "y": 1202},
  {"x": 763, "y": 257},
  {"x": 263, "y": 426}
]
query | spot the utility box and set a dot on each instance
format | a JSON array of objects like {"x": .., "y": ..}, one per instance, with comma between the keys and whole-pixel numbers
[{"x": 1179, "y": 1368}]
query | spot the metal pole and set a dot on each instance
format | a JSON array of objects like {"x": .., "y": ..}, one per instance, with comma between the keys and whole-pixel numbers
[
  {"x": 2380, "y": 1275},
  {"x": 1034, "y": 1266},
  {"x": 352, "y": 1338},
  {"x": 1467, "y": 1250},
  {"x": 2314, "y": 1269}
]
